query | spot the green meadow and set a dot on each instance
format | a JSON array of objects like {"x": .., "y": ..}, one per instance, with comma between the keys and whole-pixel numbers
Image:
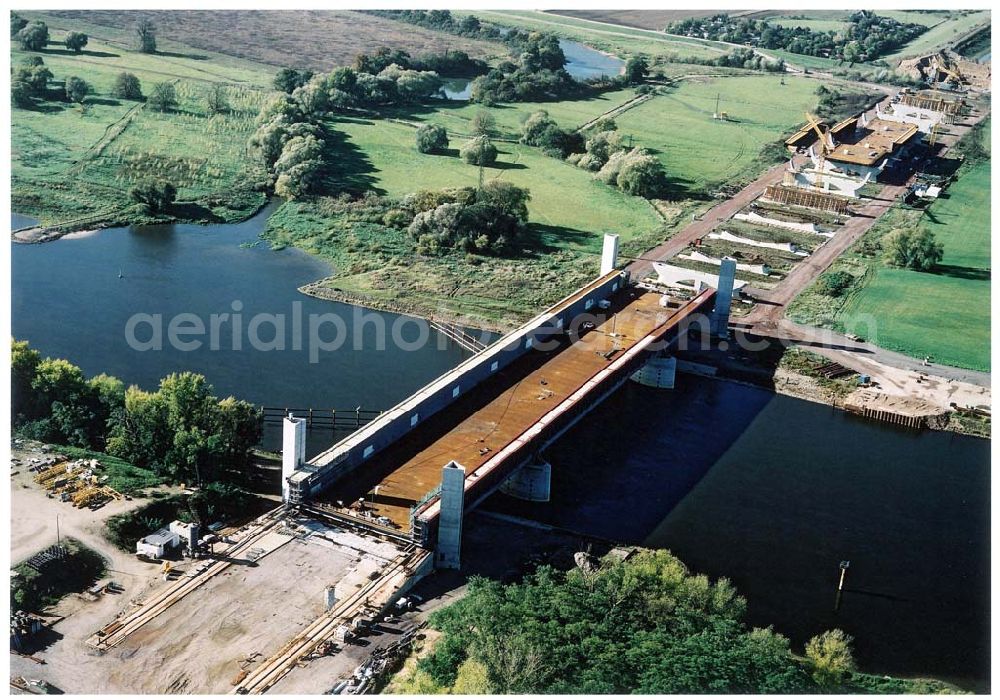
[{"x": 944, "y": 313}]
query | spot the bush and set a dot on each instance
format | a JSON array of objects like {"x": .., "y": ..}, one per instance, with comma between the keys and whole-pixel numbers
[
  {"x": 397, "y": 218},
  {"x": 75, "y": 41},
  {"x": 127, "y": 87},
  {"x": 33, "y": 590},
  {"x": 34, "y": 36},
  {"x": 20, "y": 94},
  {"x": 487, "y": 220},
  {"x": 76, "y": 89},
  {"x": 155, "y": 195},
  {"x": 479, "y": 151},
  {"x": 163, "y": 98},
  {"x": 636, "y": 69},
  {"x": 602, "y": 145},
  {"x": 216, "y": 101},
  {"x": 641, "y": 175},
  {"x": 634, "y": 172},
  {"x": 484, "y": 124},
  {"x": 830, "y": 656},
  {"x": 914, "y": 249},
  {"x": 432, "y": 138},
  {"x": 288, "y": 79},
  {"x": 834, "y": 284},
  {"x": 145, "y": 36}
]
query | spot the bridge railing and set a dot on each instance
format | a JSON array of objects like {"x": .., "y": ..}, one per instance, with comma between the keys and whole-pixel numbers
[{"x": 322, "y": 418}]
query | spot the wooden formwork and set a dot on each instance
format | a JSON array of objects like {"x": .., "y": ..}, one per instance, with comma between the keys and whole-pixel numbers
[
  {"x": 804, "y": 198},
  {"x": 933, "y": 103}
]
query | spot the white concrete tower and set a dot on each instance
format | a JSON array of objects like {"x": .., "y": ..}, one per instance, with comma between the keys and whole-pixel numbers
[
  {"x": 609, "y": 254},
  {"x": 723, "y": 298},
  {"x": 449, "y": 545},
  {"x": 293, "y": 450}
]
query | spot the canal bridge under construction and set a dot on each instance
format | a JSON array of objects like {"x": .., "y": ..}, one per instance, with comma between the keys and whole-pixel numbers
[{"x": 491, "y": 415}]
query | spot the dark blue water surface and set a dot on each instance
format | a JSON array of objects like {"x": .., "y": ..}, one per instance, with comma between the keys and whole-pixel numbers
[
  {"x": 69, "y": 301},
  {"x": 773, "y": 493}
]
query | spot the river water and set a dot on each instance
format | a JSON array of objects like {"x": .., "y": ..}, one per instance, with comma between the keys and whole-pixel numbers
[
  {"x": 774, "y": 493},
  {"x": 70, "y": 302},
  {"x": 582, "y": 63}
]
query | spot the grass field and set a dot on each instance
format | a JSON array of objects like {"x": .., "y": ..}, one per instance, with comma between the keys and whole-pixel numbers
[
  {"x": 318, "y": 39},
  {"x": 953, "y": 27},
  {"x": 944, "y": 314},
  {"x": 619, "y": 40},
  {"x": 71, "y": 162},
  {"x": 456, "y": 116},
  {"x": 699, "y": 152},
  {"x": 565, "y": 200}
]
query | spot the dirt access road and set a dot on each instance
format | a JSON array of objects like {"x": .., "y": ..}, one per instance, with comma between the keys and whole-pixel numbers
[{"x": 699, "y": 228}]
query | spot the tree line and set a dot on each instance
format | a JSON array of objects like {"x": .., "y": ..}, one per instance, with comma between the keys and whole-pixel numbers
[
  {"x": 181, "y": 431},
  {"x": 646, "y": 625},
  {"x": 867, "y": 36}
]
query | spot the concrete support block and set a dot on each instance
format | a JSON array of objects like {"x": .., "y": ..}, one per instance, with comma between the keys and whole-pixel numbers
[
  {"x": 532, "y": 482},
  {"x": 659, "y": 372}
]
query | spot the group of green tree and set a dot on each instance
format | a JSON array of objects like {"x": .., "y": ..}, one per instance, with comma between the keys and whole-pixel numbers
[
  {"x": 534, "y": 72},
  {"x": 866, "y": 37},
  {"x": 450, "y": 63},
  {"x": 213, "y": 502},
  {"x": 181, "y": 431},
  {"x": 609, "y": 154},
  {"x": 468, "y": 26},
  {"x": 491, "y": 219},
  {"x": 30, "y": 80},
  {"x": 645, "y": 625},
  {"x": 290, "y": 146},
  {"x": 347, "y": 88},
  {"x": 744, "y": 58}
]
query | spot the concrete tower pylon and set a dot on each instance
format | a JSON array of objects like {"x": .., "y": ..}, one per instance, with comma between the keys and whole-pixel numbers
[
  {"x": 609, "y": 253},
  {"x": 723, "y": 298},
  {"x": 293, "y": 450},
  {"x": 448, "y": 554}
]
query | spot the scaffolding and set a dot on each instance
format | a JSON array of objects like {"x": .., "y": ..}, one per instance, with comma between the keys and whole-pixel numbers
[{"x": 804, "y": 198}]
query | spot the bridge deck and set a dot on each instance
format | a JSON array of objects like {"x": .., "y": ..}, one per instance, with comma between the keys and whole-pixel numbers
[{"x": 476, "y": 428}]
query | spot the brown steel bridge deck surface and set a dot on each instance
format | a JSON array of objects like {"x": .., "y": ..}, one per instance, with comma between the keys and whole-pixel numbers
[{"x": 528, "y": 389}]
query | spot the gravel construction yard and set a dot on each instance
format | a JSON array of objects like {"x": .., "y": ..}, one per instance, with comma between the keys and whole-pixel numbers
[{"x": 197, "y": 645}]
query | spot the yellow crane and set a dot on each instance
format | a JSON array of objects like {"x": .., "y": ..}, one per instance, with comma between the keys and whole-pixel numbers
[{"x": 822, "y": 149}]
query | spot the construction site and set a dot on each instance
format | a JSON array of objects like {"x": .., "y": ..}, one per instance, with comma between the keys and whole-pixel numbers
[{"x": 837, "y": 180}]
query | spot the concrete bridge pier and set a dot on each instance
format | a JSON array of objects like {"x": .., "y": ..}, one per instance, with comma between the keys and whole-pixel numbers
[
  {"x": 293, "y": 451},
  {"x": 723, "y": 298},
  {"x": 532, "y": 482}
]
